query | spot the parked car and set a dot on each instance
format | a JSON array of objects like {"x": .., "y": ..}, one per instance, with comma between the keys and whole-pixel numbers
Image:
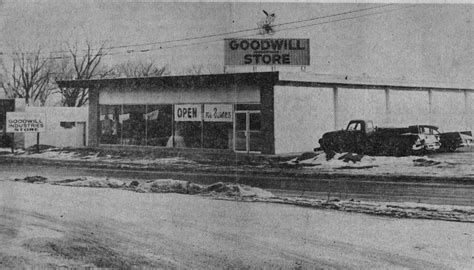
[
  {"x": 450, "y": 141},
  {"x": 428, "y": 138}
]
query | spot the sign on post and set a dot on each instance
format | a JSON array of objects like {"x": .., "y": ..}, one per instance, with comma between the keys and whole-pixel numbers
[
  {"x": 218, "y": 113},
  {"x": 24, "y": 122},
  {"x": 273, "y": 52},
  {"x": 187, "y": 112}
]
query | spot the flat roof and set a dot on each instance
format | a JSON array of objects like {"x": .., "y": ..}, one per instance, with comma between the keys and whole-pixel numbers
[
  {"x": 304, "y": 77},
  {"x": 259, "y": 78},
  {"x": 182, "y": 80}
]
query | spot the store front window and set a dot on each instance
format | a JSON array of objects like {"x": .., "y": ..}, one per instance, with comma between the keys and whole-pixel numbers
[
  {"x": 209, "y": 126},
  {"x": 133, "y": 124},
  {"x": 159, "y": 124},
  {"x": 111, "y": 130},
  {"x": 218, "y": 135}
]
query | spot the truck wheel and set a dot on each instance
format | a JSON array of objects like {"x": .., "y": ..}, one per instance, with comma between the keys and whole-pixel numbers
[{"x": 452, "y": 148}]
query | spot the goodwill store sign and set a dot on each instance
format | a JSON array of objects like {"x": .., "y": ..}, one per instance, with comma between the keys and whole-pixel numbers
[
  {"x": 20, "y": 122},
  {"x": 293, "y": 52},
  {"x": 208, "y": 112}
]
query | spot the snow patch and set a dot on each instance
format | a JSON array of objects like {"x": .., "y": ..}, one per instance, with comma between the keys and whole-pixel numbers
[
  {"x": 408, "y": 165},
  {"x": 60, "y": 154},
  {"x": 230, "y": 191},
  {"x": 91, "y": 182}
]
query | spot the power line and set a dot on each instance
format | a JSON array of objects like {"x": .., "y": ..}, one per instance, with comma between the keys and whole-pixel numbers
[
  {"x": 240, "y": 31},
  {"x": 245, "y": 30},
  {"x": 253, "y": 35},
  {"x": 217, "y": 34}
]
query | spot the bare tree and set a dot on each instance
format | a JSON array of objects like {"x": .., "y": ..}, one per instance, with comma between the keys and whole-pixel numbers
[
  {"x": 139, "y": 69},
  {"x": 202, "y": 69},
  {"x": 31, "y": 77},
  {"x": 80, "y": 65}
]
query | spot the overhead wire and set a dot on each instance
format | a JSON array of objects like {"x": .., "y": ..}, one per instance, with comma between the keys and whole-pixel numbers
[
  {"x": 217, "y": 35},
  {"x": 253, "y": 35}
]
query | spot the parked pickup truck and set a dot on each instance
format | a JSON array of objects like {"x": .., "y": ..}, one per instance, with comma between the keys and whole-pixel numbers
[{"x": 362, "y": 137}]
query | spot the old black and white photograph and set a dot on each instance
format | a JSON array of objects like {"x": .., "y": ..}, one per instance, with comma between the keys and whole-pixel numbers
[{"x": 146, "y": 134}]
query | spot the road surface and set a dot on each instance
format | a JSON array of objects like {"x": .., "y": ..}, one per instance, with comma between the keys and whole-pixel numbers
[
  {"x": 55, "y": 226},
  {"x": 343, "y": 188}
]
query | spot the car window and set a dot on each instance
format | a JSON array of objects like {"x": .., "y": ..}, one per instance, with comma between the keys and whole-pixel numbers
[{"x": 354, "y": 127}]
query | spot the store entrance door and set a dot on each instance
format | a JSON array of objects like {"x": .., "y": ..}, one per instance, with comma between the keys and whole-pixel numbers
[{"x": 247, "y": 131}]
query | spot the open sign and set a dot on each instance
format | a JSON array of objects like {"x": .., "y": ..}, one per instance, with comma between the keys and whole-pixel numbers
[{"x": 187, "y": 112}]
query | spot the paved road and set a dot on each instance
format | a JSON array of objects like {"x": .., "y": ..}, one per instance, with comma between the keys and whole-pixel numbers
[
  {"x": 344, "y": 188},
  {"x": 47, "y": 226}
]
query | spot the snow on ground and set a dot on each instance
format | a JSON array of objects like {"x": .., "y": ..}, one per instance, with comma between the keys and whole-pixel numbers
[
  {"x": 52, "y": 226},
  {"x": 406, "y": 165},
  {"x": 60, "y": 154},
  {"x": 459, "y": 164},
  {"x": 230, "y": 191},
  {"x": 161, "y": 186}
]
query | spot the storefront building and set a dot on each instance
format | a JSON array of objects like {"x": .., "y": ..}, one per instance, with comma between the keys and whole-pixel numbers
[{"x": 259, "y": 112}]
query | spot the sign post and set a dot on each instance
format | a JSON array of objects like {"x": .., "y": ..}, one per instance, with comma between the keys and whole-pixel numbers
[{"x": 23, "y": 122}]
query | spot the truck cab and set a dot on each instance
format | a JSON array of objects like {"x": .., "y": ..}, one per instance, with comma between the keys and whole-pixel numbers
[{"x": 365, "y": 127}]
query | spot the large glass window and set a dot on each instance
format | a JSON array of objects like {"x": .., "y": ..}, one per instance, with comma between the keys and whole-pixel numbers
[
  {"x": 208, "y": 126},
  {"x": 159, "y": 124},
  {"x": 218, "y": 135},
  {"x": 188, "y": 134},
  {"x": 110, "y": 125},
  {"x": 133, "y": 124}
]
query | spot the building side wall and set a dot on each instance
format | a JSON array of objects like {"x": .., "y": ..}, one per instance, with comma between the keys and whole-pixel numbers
[
  {"x": 302, "y": 115},
  {"x": 150, "y": 95},
  {"x": 55, "y": 134},
  {"x": 469, "y": 108},
  {"x": 360, "y": 104},
  {"x": 408, "y": 108},
  {"x": 448, "y": 111}
]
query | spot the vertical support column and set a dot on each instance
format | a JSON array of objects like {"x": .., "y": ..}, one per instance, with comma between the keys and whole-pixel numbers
[
  {"x": 146, "y": 124},
  {"x": 430, "y": 106},
  {"x": 173, "y": 128},
  {"x": 335, "y": 101},
  {"x": 267, "y": 118},
  {"x": 466, "y": 110},
  {"x": 388, "y": 112},
  {"x": 202, "y": 125},
  {"x": 94, "y": 116}
]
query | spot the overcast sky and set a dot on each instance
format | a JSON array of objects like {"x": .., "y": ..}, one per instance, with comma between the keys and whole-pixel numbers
[{"x": 419, "y": 42}]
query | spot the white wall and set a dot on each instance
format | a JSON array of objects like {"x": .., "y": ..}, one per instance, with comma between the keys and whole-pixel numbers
[
  {"x": 469, "y": 120},
  {"x": 409, "y": 107},
  {"x": 242, "y": 94},
  {"x": 367, "y": 104},
  {"x": 55, "y": 134},
  {"x": 449, "y": 111},
  {"x": 302, "y": 115}
]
